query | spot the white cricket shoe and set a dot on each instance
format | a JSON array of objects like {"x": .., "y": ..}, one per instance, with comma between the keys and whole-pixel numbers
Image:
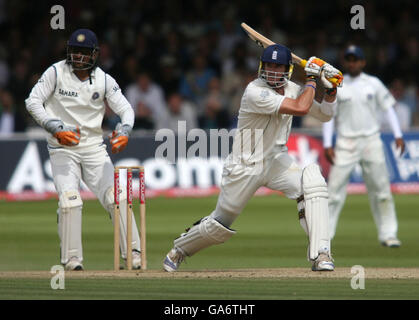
[
  {"x": 74, "y": 264},
  {"x": 323, "y": 263},
  {"x": 136, "y": 259},
  {"x": 391, "y": 243},
  {"x": 173, "y": 259}
]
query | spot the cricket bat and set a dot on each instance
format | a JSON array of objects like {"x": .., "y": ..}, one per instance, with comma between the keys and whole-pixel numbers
[{"x": 264, "y": 42}]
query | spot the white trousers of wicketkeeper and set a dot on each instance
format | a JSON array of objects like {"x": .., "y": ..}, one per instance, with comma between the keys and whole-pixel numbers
[
  {"x": 280, "y": 172},
  {"x": 368, "y": 152},
  {"x": 95, "y": 169}
]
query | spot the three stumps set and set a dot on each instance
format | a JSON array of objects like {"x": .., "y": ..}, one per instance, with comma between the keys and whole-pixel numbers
[{"x": 117, "y": 214}]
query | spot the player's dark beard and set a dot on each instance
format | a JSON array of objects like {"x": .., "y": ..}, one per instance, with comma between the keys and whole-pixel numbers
[
  {"x": 87, "y": 59},
  {"x": 355, "y": 69},
  {"x": 84, "y": 62}
]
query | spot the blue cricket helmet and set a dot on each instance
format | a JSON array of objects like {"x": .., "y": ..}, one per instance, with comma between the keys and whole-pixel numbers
[
  {"x": 278, "y": 54},
  {"x": 83, "y": 50},
  {"x": 355, "y": 51},
  {"x": 83, "y": 38}
]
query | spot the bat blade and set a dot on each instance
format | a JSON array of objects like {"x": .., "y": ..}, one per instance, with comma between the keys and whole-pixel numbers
[
  {"x": 264, "y": 42},
  {"x": 256, "y": 36}
]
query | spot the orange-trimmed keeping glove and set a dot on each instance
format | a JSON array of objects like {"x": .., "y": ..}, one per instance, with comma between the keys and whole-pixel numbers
[
  {"x": 65, "y": 134},
  {"x": 119, "y": 137},
  {"x": 68, "y": 138}
]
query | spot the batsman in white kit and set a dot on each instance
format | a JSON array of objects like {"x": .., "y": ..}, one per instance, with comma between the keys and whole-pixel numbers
[
  {"x": 69, "y": 103},
  {"x": 260, "y": 158},
  {"x": 358, "y": 141}
]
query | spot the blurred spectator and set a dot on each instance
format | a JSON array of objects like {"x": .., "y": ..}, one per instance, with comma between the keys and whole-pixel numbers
[
  {"x": 7, "y": 117},
  {"x": 106, "y": 61},
  {"x": 214, "y": 117},
  {"x": 410, "y": 96},
  {"x": 206, "y": 46},
  {"x": 194, "y": 84},
  {"x": 147, "y": 99},
  {"x": 183, "y": 49},
  {"x": 397, "y": 89},
  {"x": 143, "y": 117},
  {"x": 269, "y": 30},
  {"x": 233, "y": 86},
  {"x": 214, "y": 114},
  {"x": 180, "y": 110},
  {"x": 4, "y": 69},
  {"x": 214, "y": 91},
  {"x": 382, "y": 67},
  {"x": 126, "y": 71},
  {"x": 173, "y": 47},
  {"x": 19, "y": 87},
  {"x": 238, "y": 71},
  {"x": 325, "y": 49},
  {"x": 230, "y": 36},
  {"x": 143, "y": 52},
  {"x": 239, "y": 60},
  {"x": 169, "y": 75}
]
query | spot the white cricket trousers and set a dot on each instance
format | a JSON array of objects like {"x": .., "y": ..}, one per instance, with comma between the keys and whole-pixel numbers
[
  {"x": 94, "y": 167},
  {"x": 240, "y": 182},
  {"x": 369, "y": 153}
]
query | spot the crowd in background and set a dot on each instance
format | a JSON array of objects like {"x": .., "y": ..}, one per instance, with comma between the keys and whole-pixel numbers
[{"x": 190, "y": 60}]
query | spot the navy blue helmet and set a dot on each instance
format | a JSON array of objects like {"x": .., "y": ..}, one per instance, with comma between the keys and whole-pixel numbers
[
  {"x": 355, "y": 51},
  {"x": 278, "y": 54},
  {"x": 83, "y": 50}
]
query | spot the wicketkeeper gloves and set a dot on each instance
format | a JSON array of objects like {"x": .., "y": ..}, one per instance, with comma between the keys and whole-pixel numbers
[
  {"x": 66, "y": 135},
  {"x": 119, "y": 137}
]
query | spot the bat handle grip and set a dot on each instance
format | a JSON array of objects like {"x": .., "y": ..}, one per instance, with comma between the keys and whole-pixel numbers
[{"x": 337, "y": 82}]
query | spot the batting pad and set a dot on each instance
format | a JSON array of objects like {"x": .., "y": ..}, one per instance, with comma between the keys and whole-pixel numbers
[
  {"x": 316, "y": 210},
  {"x": 208, "y": 232},
  {"x": 69, "y": 225}
]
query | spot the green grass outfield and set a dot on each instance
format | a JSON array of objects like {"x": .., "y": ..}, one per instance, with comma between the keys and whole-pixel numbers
[
  {"x": 208, "y": 289},
  {"x": 268, "y": 237}
]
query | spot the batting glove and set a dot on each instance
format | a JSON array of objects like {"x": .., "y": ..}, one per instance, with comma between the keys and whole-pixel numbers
[
  {"x": 314, "y": 66},
  {"x": 333, "y": 76}
]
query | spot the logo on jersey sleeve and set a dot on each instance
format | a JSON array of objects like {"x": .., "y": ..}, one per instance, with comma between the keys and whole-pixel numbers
[
  {"x": 95, "y": 95},
  {"x": 264, "y": 94}
]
